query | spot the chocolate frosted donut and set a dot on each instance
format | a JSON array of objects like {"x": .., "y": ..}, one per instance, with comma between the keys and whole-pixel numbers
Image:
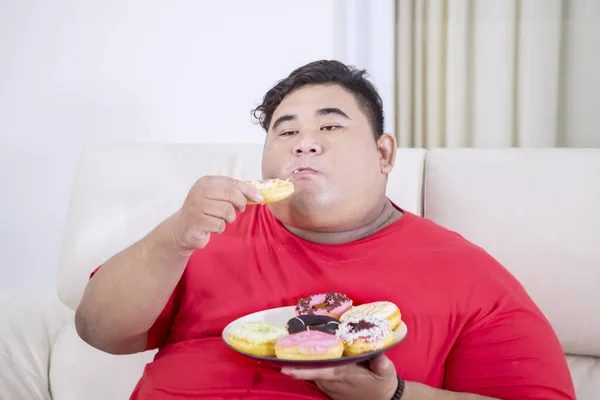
[{"x": 323, "y": 323}]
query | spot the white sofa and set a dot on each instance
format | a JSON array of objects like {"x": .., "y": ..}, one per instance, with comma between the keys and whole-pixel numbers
[{"x": 537, "y": 211}]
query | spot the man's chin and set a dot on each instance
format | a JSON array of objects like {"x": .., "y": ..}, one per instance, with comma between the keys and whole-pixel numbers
[{"x": 303, "y": 210}]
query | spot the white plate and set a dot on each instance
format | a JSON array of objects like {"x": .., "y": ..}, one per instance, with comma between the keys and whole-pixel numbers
[{"x": 280, "y": 316}]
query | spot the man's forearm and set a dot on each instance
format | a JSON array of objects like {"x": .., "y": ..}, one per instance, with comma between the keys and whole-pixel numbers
[
  {"x": 128, "y": 293},
  {"x": 418, "y": 391}
]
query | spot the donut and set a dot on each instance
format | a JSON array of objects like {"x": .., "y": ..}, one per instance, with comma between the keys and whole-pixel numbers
[
  {"x": 309, "y": 345},
  {"x": 365, "y": 334},
  {"x": 257, "y": 338},
  {"x": 272, "y": 190},
  {"x": 323, "y": 323},
  {"x": 381, "y": 309},
  {"x": 330, "y": 303}
]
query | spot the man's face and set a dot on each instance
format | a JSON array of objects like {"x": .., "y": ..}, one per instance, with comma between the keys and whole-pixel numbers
[{"x": 322, "y": 141}]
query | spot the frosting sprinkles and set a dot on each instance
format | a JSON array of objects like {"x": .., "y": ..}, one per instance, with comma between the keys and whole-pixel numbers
[
  {"x": 331, "y": 301},
  {"x": 366, "y": 328}
]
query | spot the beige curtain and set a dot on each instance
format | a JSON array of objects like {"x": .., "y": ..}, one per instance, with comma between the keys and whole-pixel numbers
[{"x": 481, "y": 73}]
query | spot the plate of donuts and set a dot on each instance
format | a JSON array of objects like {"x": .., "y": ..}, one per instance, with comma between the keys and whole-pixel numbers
[{"x": 322, "y": 330}]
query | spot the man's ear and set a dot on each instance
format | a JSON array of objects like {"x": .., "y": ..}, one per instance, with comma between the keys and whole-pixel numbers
[{"x": 386, "y": 145}]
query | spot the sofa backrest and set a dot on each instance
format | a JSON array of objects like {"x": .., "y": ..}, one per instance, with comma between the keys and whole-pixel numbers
[{"x": 536, "y": 211}]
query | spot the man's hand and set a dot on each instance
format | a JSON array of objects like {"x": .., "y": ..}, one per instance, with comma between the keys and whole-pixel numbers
[
  {"x": 208, "y": 207},
  {"x": 353, "y": 382}
]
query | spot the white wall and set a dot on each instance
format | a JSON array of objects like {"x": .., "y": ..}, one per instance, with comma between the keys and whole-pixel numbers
[{"x": 76, "y": 73}]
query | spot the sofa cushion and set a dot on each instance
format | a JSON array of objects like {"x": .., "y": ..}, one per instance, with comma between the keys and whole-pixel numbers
[
  {"x": 30, "y": 322},
  {"x": 79, "y": 371},
  {"x": 586, "y": 376}
]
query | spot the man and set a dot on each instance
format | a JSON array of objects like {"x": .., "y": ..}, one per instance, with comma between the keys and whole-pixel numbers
[{"x": 473, "y": 330}]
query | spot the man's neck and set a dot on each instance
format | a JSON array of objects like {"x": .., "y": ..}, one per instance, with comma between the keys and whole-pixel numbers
[{"x": 387, "y": 215}]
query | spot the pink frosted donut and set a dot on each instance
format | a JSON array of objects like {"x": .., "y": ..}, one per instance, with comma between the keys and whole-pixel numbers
[
  {"x": 309, "y": 345},
  {"x": 330, "y": 303}
]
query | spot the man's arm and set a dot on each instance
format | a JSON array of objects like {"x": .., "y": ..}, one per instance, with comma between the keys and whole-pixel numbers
[
  {"x": 127, "y": 294},
  {"x": 378, "y": 382},
  {"x": 418, "y": 391},
  {"x": 510, "y": 353}
]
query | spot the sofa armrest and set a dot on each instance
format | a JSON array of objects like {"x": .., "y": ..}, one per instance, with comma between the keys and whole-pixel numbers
[{"x": 30, "y": 322}]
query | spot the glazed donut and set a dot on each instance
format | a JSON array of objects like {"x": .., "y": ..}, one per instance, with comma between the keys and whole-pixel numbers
[
  {"x": 365, "y": 334},
  {"x": 380, "y": 309},
  {"x": 330, "y": 303},
  {"x": 272, "y": 190},
  {"x": 309, "y": 345},
  {"x": 257, "y": 338},
  {"x": 323, "y": 323}
]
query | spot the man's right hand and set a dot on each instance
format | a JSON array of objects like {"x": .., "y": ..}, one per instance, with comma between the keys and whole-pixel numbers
[{"x": 208, "y": 207}]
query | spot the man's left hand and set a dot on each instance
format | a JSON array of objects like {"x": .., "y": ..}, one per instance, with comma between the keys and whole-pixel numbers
[{"x": 353, "y": 382}]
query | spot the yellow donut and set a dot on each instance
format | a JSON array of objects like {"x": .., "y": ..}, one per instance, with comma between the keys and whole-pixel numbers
[
  {"x": 257, "y": 338},
  {"x": 272, "y": 190}
]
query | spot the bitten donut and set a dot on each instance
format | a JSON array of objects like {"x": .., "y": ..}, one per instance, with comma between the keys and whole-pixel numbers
[
  {"x": 257, "y": 338},
  {"x": 309, "y": 345},
  {"x": 330, "y": 303},
  {"x": 380, "y": 309},
  {"x": 272, "y": 190},
  {"x": 365, "y": 334},
  {"x": 323, "y": 323}
]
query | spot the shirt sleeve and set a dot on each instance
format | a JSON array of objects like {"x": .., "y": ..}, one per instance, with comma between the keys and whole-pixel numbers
[
  {"x": 512, "y": 352},
  {"x": 158, "y": 333}
]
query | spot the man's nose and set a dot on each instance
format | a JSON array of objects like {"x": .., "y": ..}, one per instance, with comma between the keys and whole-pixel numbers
[{"x": 308, "y": 145}]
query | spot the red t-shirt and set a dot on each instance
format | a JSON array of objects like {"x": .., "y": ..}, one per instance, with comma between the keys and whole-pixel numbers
[{"x": 471, "y": 325}]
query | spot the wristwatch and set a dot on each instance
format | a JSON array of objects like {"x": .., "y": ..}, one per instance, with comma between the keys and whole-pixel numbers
[{"x": 399, "y": 390}]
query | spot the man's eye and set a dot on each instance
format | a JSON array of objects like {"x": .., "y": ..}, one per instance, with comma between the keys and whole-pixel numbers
[
  {"x": 328, "y": 128},
  {"x": 288, "y": 133}
]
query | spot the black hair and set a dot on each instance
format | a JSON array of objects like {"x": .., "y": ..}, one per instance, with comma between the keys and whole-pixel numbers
[{"x": 326, "y": 72}]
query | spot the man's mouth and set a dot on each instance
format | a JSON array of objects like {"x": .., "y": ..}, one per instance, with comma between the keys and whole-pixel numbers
[{"x": 302, "y": 171}]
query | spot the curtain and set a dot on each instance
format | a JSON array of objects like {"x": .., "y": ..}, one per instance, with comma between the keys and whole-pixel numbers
[{"x": 478, "y": 73}]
